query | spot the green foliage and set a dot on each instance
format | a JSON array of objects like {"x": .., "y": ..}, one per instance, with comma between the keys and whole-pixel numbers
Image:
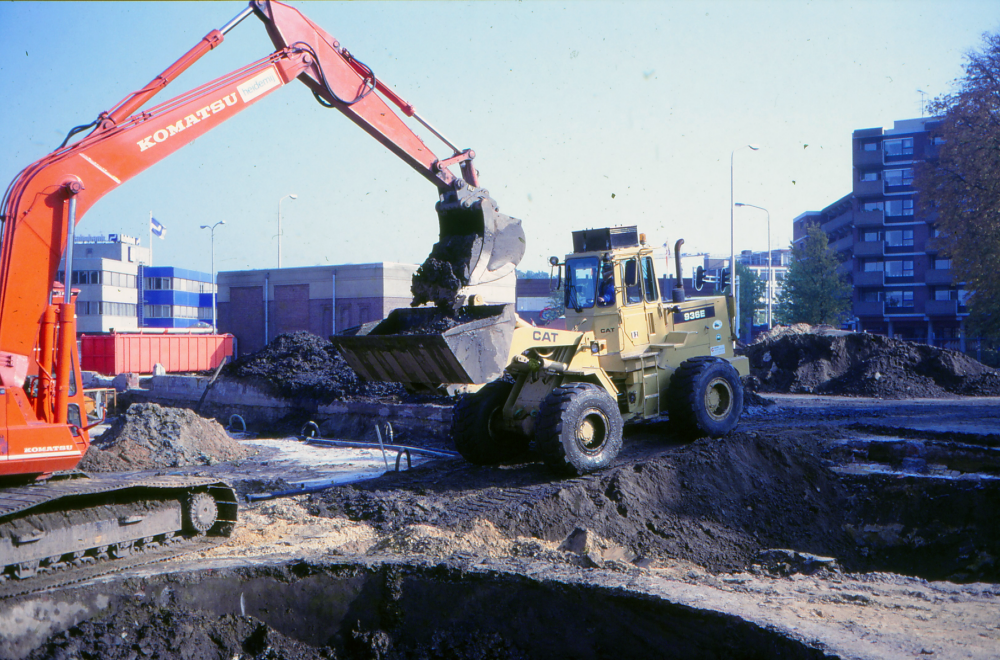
[
  {"x": 813, "y": 292},
  {"x": 532, "y": 275},
  {"x": 751, "y": 297},
  {"x": 962, "y": 185}
]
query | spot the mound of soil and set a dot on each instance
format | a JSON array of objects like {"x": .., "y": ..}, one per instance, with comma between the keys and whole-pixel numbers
[
  {"x": 715, "y": 503},
  {"x": 300, "y": 365},
  {"x": 148, "y": 631},
  {"x": 150, "y": 436},
  {"x": 858, "y": 364}
]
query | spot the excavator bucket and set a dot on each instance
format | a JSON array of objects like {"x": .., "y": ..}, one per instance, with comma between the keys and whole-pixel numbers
[
  {"x": 417, "y": 347},
  {"x": 478, "y": 245}
]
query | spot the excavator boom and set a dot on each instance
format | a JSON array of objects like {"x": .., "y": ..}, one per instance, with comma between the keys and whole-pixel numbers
[{"x": 42, "y": 420}]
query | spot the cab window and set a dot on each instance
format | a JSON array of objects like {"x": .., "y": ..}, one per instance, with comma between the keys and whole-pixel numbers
[
  {"x": 649, "y": 283},
  {"x": 581, "y": 282},
  {"x": 633, "y": 293}
]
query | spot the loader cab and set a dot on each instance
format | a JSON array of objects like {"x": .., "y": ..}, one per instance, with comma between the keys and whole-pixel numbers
[{"x": 611, "y": 289}]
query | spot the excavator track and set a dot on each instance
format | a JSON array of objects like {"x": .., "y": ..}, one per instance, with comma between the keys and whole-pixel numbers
[{"x": 76, "y": 526}]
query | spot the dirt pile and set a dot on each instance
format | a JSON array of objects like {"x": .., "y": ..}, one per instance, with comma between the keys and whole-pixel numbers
[
  {"x": 150, "y": 436},
  {"x": 149, "y": 631},
  {"x": 856, "y": 364},
  {"x": 301, "y": 365},
  {"x": 716, "y": 503}
]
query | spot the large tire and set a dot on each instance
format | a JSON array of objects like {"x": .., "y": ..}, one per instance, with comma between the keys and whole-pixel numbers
[
  {"x": 705, "y": 397},
  {"x": 476, "y": 430},
  {"x": 579, "y": 429}
]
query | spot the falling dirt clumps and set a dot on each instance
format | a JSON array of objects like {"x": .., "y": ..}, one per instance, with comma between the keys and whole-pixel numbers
[
  {"x": 150, "y": 436},
  {"x": 836, "y": 362},
  {"x": 300, "y": 365},
  {"x": 444, "y": 272}
]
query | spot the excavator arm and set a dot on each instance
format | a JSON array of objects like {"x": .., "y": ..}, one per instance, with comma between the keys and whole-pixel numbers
[{"x": 41, "y": 207}]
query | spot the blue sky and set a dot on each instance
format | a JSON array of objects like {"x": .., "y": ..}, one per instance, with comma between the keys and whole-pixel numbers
[{"x": 582, "y": 114}]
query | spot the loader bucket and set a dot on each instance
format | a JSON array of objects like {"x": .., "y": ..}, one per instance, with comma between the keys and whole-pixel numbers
[
  {"x": 410, "y": 347},
  {"x": 477, "y": 245}
]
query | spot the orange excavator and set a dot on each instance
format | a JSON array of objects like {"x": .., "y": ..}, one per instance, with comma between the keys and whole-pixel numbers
[{"x": 52, "y": 517}]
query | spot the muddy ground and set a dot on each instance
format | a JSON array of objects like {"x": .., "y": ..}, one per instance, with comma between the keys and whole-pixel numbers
[{"x": 823, "y": 527}]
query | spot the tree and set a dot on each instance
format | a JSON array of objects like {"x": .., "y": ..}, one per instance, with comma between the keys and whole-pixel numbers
[
  {"x": 813, "y": 292},
  {"x": 751, "y": 297},
  {"x": 962, "y": 183}
]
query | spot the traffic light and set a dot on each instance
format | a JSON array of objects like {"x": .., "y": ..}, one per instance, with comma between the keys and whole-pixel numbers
[
  {"x": 699, "y": 278},
  {"x": 723, "y": 278}
]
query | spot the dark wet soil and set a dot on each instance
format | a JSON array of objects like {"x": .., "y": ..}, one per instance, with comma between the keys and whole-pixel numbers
[
  {"x": 715, "y": 503},
  {"x": 858, "y": 364},
  {"x": 301, "y": 365}
]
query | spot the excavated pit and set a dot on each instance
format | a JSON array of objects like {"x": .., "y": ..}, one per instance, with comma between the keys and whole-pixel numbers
[
  {"x": 452, "y": 560},
  {"x": 365, "y": 611}
]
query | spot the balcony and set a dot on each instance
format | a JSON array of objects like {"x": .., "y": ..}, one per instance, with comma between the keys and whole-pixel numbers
[
  {"x": 842, "y": 244},
  {"x": 869, "y": 219},
  {"x": 869, "y": 278},
  {"x": 869, "y": 249},
  {"x": 867, "y": 189},
  {"x": 945, "y": 276},
  {"x": 941, "y": 307},
  {"x": 869, "y": 309},
  {"x": 838, "y": 223},
  {"x": 866, "y": 159}
]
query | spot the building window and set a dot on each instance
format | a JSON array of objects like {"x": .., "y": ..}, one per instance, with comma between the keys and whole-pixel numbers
[
  {"x": 156, "y": 311},
  {"x": 942, "y": 264},
  {"x": 899, "y": 268},
  {"x": 899, "y": 237},
  {"x": 945, "y": 294},
  {"x": 899, "y": 207},
  {"x": 898, "y": 298},
  {"x": 872, "y": 206},
  {"x": 870, "y": 146},
  {"x": 902, "y": 177},
  {"x": 873, "y": 266},
  {"x": 870, "y": 295},
  {"x": 869, "y": 176},
  {"x": 116, "y": 309},
  {"x": 871, "y": 236},
  {"x": 901, "y": 147}
]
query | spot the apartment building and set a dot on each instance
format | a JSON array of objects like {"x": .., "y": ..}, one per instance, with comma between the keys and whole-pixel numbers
[{"x": 902, "y": 286}]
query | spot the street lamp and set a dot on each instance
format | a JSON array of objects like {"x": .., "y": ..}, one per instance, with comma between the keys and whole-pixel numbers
[
  {"x": 293, "y": 196},
  {"x": 769, "y": 290},
  {"x": 732, "y": 238},
  {"x": 215, "y": 294}
]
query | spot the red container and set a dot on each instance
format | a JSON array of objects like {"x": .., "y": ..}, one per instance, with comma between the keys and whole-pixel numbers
[{"x": 119, "y": 353}]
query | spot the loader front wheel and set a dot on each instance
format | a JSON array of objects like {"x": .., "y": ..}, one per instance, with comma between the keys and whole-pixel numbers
[
  {"x": 705, "y": 398},
  {"x": 579, "y": 429},
  {"x": 476, "y": 427}
]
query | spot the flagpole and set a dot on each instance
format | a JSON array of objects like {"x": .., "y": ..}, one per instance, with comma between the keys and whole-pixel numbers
[{"x": 149, "y": 225}]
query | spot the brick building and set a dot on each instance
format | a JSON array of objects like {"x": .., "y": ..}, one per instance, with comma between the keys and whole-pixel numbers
[{"x": 317, "y": 299}]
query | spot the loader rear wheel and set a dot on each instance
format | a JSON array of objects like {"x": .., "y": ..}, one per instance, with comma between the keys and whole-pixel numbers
[
  {"x": 705, "y": 397},
  {"x": 579, "y": 429},
  {"x": 477, "y": 427}
]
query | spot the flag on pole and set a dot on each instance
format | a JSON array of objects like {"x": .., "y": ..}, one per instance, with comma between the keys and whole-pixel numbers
[{"x": 156, "y": 229}]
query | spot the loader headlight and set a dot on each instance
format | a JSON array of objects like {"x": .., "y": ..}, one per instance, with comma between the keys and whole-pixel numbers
[{"x": 596, "y": 347}]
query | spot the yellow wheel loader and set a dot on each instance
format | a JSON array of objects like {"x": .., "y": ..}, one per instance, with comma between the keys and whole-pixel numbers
[{"x": 625, "y": 355}]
